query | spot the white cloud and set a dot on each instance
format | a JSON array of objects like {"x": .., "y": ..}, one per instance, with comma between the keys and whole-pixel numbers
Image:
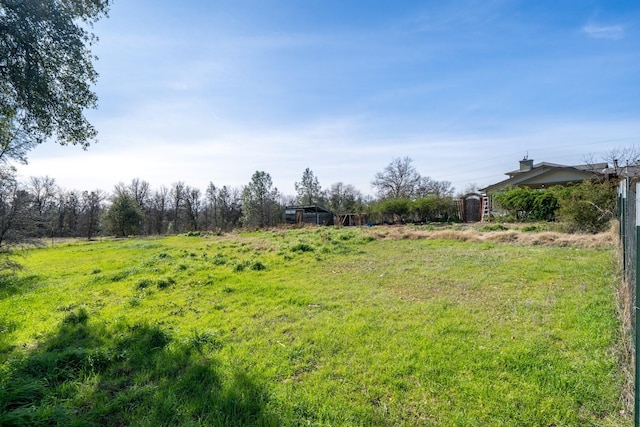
[{"x": 610, "y": 32}]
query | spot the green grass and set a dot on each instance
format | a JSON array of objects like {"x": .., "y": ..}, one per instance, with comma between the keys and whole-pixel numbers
[{"x": 315, "y": 326}]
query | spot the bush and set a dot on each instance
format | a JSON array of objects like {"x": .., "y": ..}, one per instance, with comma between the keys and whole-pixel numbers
[
  {"x": 587, "y": 207},
  {"x": 435, "y": 209},
  {"x": 526, "y": 204},
  {"x": 424, "y": 209},
  {"x": 397, "y": 208}
]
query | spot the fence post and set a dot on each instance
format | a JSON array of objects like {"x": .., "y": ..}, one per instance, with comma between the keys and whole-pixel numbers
[
  {"x": 635, "y": 311},
  {"x": 622, "y": 220}
]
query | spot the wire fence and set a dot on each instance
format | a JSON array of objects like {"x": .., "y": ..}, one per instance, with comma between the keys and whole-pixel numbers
[
  {"x": 628, "y": 236},
  {"x": 628, "y": 213}
]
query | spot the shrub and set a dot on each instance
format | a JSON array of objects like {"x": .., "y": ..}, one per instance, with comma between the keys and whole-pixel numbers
[
  {"x": 587, "y": 207},
  {"x": 545, "y": 205},
  {"x": 397, "y": 208},
  {"x": 435, "y": 209},
  {"x": 526, "y": 204}
]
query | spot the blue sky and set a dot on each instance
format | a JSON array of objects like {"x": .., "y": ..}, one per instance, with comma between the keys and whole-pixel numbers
[{"x": 211, "y": 91}]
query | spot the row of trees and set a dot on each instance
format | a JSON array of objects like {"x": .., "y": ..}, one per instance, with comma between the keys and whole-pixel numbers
[
  {"x": 40, "y": 208},
  {"x": 46, "y": 78}
]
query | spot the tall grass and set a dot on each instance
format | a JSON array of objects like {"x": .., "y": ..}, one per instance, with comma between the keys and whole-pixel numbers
[{"x": 319, "y": 326}]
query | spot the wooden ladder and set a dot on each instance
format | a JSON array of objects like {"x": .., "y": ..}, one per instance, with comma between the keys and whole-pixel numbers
[{"x": 486, "y": 208}]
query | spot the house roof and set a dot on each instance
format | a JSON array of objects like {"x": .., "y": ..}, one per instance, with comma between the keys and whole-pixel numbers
[
  {"x": 623, "y": 171},
  {"x": 547, "y": 174},
  {"x": 596, "y": 167},
  {"x": 309, "y": 208}
]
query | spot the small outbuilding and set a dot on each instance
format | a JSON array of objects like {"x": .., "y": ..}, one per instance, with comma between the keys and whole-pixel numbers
[
  {"x": 352, "y": 220},
  {"x": 309, "y": 214},
  {"x": 470, "y": 207}
]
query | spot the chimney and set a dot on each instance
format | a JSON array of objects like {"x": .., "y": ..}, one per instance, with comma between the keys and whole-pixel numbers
[{"x": 526, "y": 164}]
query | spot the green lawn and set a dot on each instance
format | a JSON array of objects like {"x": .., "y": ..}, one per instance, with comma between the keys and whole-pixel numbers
[{"x": 323, "y": 326}]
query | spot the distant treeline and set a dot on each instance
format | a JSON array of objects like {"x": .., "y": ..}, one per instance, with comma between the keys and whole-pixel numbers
[{"x": 39, "y": 208}]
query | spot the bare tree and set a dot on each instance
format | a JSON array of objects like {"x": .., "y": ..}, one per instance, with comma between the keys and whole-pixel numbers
[
  {"x": 427, "y": 187},
  {"x": 43, "y": 191},
  {"x": 472, "y": 187},
  {"x": 230, "y": 207},
  {"x": 72, "y": 209},
  {"x": 192, "y": 205},
  {"x": 622, "y": 157},
  {"x": 211, "y": 213},
  {"x": 177, "y": 199},
  {"x": 140, "y": 190},
  {"x": 159, "y": 204},
  {"x": 344, "y": 198},
  {"x": 398, "y": 179},
  {"x": 120, "y": 189},
  {"x": 92, "y": 205},
  {"x": 15, "y": 206}
]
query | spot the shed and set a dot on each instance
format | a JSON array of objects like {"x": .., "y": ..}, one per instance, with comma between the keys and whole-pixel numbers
[
  {"x": 352, "y": 219},
  {"x": 308, "y": 214},
  {"x": 470, "y": 207}
]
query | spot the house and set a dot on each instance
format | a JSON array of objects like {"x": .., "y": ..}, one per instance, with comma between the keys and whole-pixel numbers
[
  {"x": 308, "y": 214},
  {"x": 542, "y": 175}
]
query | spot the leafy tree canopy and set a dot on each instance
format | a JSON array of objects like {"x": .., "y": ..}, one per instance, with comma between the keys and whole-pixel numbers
[
  {"x": 260, "y": 201},
  {"x": 308, "y": 189},
  {"x": 46, "y": 73},
  {"x": 124, "y": 217}
]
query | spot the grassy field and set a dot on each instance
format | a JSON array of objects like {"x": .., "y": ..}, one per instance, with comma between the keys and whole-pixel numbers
[{"x": 314, "y": 326}]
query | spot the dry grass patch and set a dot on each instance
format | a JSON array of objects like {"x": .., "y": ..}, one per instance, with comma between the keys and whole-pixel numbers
[{"x": 472, "y": 234}]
